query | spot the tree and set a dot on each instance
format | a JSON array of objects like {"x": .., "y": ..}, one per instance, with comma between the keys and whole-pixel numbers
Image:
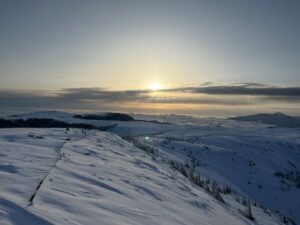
[
  {"x": 249, "y": 214},
  {"x": 248, "y": 211}
]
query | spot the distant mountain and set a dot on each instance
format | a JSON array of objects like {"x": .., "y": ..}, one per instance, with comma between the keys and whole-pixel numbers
[{"x": 278, "y": 119}]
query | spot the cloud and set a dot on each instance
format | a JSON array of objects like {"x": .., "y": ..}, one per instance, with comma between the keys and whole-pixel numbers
[
  {"x": 250, "y": 89},
  {"x": 238, "y": 94},
  {"x": 87, "y": 94}
]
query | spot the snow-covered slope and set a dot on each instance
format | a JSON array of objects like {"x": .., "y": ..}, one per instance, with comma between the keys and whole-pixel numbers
[
  {"x": 259, "y": 162},
  {"x": 53, "y": 176}
]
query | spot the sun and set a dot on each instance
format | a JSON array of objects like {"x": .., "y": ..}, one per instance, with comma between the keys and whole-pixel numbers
[{"x": 155, "y": 86}]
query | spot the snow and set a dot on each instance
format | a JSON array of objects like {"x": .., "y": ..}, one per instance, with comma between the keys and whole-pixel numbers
[
  {"x": 244, "y": 158},
  {"x": 99, "y": 178},
  {"x": 102, "y": 178}
]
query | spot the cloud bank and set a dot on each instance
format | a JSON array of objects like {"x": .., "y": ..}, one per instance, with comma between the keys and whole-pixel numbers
[{"x": 240, "y": 94}]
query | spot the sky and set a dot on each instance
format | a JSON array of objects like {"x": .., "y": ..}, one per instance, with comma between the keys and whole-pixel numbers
[{"x": 198, "y": 57}]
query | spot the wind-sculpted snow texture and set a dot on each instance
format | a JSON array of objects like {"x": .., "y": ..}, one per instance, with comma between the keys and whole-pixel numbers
[{"x": 98, "y": 178}]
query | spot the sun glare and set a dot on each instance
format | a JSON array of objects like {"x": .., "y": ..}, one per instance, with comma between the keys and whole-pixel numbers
[{"x": 155, "y": 86}]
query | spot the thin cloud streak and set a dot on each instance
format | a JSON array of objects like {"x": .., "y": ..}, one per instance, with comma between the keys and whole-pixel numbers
[{"x": 245, "y": 89}]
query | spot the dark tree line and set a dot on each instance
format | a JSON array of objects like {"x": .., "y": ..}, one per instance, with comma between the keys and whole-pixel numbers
[
  {"x": 48, "y": 123},
  {"x": 106, "y": 116}
]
